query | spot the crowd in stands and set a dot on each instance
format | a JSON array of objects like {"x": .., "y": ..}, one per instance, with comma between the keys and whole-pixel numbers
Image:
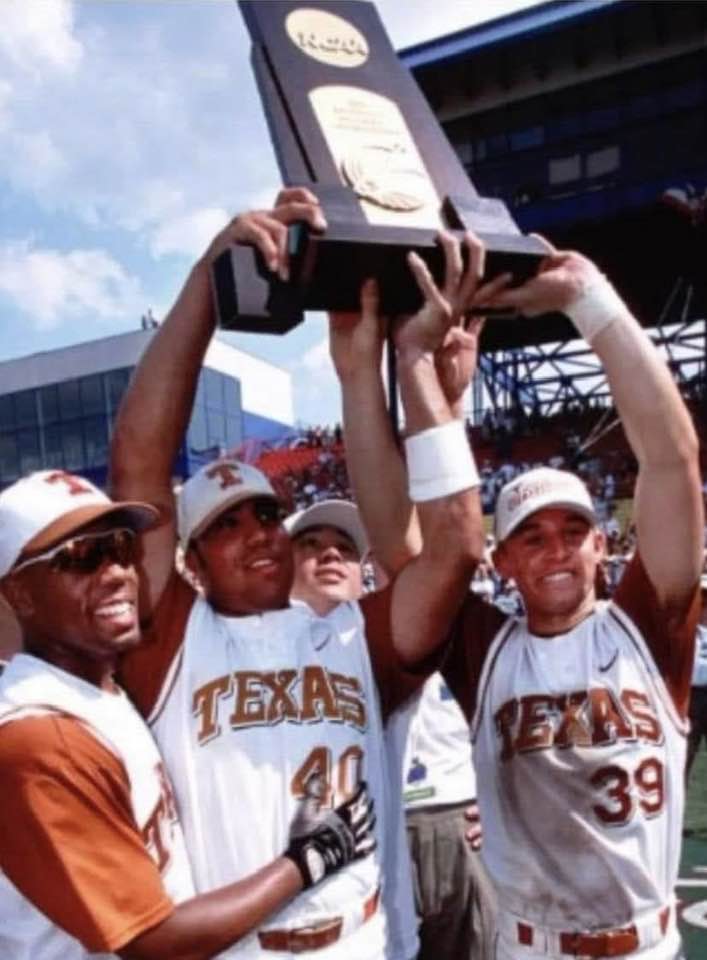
[{"x": 313, "y": 468}]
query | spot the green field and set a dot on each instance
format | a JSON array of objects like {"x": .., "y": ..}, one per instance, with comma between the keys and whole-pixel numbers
[{"x": 692, "y": 886}]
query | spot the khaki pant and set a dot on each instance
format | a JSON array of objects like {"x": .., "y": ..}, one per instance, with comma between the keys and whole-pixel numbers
[{"x": 454, "y": 897}]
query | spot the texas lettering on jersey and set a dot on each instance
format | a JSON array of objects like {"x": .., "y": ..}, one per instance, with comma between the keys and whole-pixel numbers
[
  {"x": 158, "y": 829},
  {"x": 262, "y": 698},
  {"x": 584, "y": 718}
]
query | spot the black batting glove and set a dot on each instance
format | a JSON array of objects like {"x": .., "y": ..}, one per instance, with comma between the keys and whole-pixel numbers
[{"x": 322, "y": 841}]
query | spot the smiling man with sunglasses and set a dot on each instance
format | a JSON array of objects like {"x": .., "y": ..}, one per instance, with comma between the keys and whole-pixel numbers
[
  {"x": 251, "y": 700},
  {"x": 92, "y": 856}
]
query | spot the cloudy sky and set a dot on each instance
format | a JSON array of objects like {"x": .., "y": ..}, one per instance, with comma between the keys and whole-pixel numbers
[{"x": 129, "y": 133}]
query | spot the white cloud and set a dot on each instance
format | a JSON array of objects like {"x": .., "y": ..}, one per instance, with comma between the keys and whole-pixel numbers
[
  {"x": 317, "y": 397},
  {"x": 52, "y": 287},
  {"x": 38, "y": 161},
  {"x": 39, "y": 33},
  {"x": 137, "y": 115},
  {"x": 5, "y": 98},
  {"x": 189, "y": 234},
  {"x": 138, "y": 127},
  {"x": 159, "y": 119},
  {"x": 316, "y": 360}
]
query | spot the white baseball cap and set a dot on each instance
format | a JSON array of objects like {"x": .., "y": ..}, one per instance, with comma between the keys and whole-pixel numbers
[
  {"x": 340, "y": 514},
  {"x": 536, "y": 490},
  {"x": 215, "y": 487},
  {"x": 43, "y": 508}
]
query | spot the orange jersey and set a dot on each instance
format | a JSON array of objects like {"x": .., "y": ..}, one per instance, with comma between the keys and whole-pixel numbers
[{"x": 91, "y": 853}]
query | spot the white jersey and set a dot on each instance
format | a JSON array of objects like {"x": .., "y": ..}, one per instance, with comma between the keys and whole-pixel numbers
[
  {"x": 580, "y": 754},
  {"x": 430, "y": 736},
  {"x": 250, "y": 708},
  {"x": 32, "y": 688}
]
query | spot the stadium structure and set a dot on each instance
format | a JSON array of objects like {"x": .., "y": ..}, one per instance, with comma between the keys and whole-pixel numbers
[
  {"x": 589, "y": 119},
  {"x": 57, "y": 407}
]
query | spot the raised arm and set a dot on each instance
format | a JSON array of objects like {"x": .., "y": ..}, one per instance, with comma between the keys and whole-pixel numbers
[
  {"x": 356, "y": 342},
  {"x": 155, "y": 410},
  {"x": 442, "y": 479},
  {"x": 375, "y": 465},
  {"x": 668, "y": 500}
]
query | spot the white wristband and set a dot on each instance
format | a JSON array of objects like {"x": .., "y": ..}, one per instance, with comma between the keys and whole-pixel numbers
[
  {"x": 596, "y": 307},
  {"x": 440, "y": 462}
]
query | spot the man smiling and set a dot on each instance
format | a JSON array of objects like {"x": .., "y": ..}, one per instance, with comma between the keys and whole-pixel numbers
[
  {"x": 92, "y": 856},
  {"x": 252, "y": 702},
  {"x": 329, "y": 544},
  {"x": 578, "y": 708}
]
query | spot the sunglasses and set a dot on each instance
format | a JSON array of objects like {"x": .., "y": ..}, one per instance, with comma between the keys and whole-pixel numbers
[{"x": 85, "y": 554}]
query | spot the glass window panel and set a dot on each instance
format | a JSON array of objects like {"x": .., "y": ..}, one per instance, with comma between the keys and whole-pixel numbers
[
  {"x": 216, "y": 428},
  {"x": 95, "y": 436},
  {"x": 213, "y": 383},
  {"x": 53, "y": 453},
  {"x": 234, "y": 436},
  {"x": 197, "y": 438},
  {"x": 200, "y": 397},
  {"x": 601, "y": 118},
  {"x": 565, "y": 169},
  {"x": 49, "y": 402},
  {"x": 7, "y": 412},
  {"x": 28, "y": 449},
  {"x": 116, "y": 383},
  {"x": 497, "y": 144},
  {"x": 601, "y": 162},
  {"x": 9, "y": 463},
  {"x": 72, "y": 445},
  {"x": 530, "y": 137},
  {"x": 689, "y": 95},
  {"x": 564, "y": 126},
  {"x": 232, "y": 396},
  {"x": 26, "y": 408},
  {"x": 91, "y": 390},
  {"x": 69, "y": 402},
  {"x": 641, "y": 107}
]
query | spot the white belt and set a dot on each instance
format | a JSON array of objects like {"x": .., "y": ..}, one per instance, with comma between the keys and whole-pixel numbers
[{"x": 646, "y": 931}]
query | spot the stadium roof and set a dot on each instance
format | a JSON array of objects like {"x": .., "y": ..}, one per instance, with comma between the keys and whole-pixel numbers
[{"x": 524, "y": 24}]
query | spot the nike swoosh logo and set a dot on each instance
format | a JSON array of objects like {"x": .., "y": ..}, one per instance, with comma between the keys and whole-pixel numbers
[{"x": 603, "y": 667}]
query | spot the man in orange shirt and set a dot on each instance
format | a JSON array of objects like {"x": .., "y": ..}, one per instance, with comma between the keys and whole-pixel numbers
[{"x": 92, "y": 857}]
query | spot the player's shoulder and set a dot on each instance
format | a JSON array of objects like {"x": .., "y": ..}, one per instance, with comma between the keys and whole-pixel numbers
[{"x": 51, "y": 741}]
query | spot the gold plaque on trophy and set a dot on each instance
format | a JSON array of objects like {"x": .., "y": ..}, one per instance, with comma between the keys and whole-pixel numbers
[{"x": 376, "y": 156}]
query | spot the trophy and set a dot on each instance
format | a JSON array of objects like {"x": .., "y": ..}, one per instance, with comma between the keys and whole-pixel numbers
[{"x": 348, "y": 121}]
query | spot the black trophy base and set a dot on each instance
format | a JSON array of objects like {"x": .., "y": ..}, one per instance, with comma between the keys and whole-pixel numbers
[
  {"x": 328, "y": 269},
  {"x": 249, "y": 297}
]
